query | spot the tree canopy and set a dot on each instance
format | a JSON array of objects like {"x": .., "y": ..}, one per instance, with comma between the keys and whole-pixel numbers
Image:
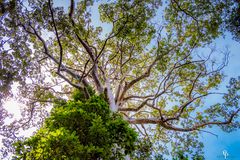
[{"x": 144, "y": 56}]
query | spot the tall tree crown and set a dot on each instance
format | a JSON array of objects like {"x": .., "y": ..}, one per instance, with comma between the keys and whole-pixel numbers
[{"x": 147, "y": 64}]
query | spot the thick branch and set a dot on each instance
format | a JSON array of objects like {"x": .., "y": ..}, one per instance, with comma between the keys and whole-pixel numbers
[
  {"x": 170, "y": 127},
  {"x": 58, "y": 38},
  {"x": 67, "y": 80},
  {"x": 89, "y": 51}
]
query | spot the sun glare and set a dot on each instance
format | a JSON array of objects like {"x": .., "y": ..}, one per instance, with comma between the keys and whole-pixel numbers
[{"x": 13, "y": 108}]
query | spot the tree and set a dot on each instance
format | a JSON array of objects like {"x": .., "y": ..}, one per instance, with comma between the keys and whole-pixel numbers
[{"x": 146, "y": 63}]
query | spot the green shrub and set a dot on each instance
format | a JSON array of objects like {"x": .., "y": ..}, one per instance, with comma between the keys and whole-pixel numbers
[{"x": 80, "y": 129}]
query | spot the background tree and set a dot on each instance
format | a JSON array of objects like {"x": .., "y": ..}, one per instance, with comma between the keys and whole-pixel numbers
[{"x": 147, "y": 63}]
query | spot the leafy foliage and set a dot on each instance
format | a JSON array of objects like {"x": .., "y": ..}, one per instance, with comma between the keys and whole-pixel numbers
[
  {"x": 181, "y": 156},
  {"x": 233, "y": 21},
  {"x": 80, "y": 130}
]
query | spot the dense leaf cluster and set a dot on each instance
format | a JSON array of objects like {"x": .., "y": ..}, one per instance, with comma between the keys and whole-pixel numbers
[{"x": 80, "y": 130}]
